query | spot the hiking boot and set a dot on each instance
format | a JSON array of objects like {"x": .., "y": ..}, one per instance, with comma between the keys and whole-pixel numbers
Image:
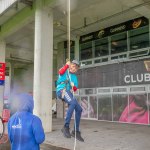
[
  {"x": 66, "y": 132},
  {"x": 78, "y": 135}
]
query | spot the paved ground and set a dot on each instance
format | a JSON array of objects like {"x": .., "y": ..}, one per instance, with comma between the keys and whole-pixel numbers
[
  {"x": 103, "y": 136},
  {"x": 5, "y": 146},
  {"x": 98, "y": 136}
]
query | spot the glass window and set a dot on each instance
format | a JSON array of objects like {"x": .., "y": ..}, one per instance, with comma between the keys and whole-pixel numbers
[
  {"x": 139, "y": 38},
  {"x": 104, "y": 107},
  {"x": 142, "y": 53},
  {"x": 84, "y": 104},
  {"x": 101, "y": 47},
  {"x": 120, "y": 104},
  {"x": 85, "y": 63},
  {"x": 119, "y": 90},
  {"x": 92, "y": 107},
  {"x": 90, "y": 91},
  {"x": 104, "y": 59},
  {"x": 118, "y": 57},
  {"x": 86, "y": 51},
  {"x": 100, "y": 60},
  {"x": 119, "y": 43},
  {"x": 72, "y": 53},
  {"x": 137, "y": 89},
  {"x": 137, "y": 111}
]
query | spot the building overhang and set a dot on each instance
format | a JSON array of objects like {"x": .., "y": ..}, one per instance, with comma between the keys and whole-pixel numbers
[
  {"x": 18, "y": 15},
  {"x": 143, "y": 10}
]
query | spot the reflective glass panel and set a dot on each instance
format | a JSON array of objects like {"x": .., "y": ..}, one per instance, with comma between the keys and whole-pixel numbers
[
  {"x": 139, "y": 38},
  {"x": 104, "y": 107},
  {"x": 86, "y": 51},
  {"x": 101, "y": 47},
  {"x": 119, "y": 43}
]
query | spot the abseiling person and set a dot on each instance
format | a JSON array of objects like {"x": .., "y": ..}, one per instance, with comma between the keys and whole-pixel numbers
[{"x": 67, "y": 83}]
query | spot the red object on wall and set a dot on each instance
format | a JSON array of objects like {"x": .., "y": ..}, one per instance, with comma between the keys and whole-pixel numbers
[
  {"x": 2, "y": 66},
  {"x": 5, "y": 115},
  {"x": 2, "y": 70}
]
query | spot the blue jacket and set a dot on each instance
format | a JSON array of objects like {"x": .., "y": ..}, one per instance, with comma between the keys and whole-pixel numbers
[
  {"x": 61, "y": 84},
  {"x": 25, "y": 130}
]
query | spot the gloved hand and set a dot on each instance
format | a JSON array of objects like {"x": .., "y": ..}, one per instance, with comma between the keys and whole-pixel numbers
[
  {"x": 74, "y": 88},
  {"x": 68, "y": 61},
  {"x": 72, "y": 84}
]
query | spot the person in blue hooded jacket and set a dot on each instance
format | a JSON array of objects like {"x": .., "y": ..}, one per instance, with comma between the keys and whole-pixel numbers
[
  {"x": 67, "y": 84},
  {"x": 25, "y": 130}
]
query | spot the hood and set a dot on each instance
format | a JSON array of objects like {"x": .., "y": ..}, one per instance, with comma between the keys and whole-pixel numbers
[{"x": 25, "y": 102}]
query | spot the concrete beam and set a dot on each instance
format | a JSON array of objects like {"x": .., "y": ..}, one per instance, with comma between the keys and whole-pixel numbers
[
  {"x": 143, "y": 10},
  {"x": 19, "y": 53},
  {"x": 19, "y": 20}
]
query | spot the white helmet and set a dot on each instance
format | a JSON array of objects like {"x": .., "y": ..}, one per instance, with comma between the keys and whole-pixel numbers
[{"x": 75, "y": 61}]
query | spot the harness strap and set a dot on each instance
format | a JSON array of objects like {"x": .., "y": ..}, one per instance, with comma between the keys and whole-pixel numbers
[
  {"x": 64, "y": 82},
  {"x": 63, "y": 93}
]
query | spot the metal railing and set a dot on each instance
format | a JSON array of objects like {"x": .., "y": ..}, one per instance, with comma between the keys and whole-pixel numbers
[{"x": 120, "y": 57}]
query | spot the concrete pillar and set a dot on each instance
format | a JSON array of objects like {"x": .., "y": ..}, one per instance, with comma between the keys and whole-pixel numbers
[
  {"x": 60, "y": 62},
  {"x": 54, "y": 70},
  {"x": 11, "y": 75},
  {"x": 23, "y": 79},
  {"x": 149, "y": 31},
  {"x": 11, "y": 82},
  {"x": 43, "y": 65},
  {"x": 2, "y": 59},
  {"x": 77, "y": 46}
]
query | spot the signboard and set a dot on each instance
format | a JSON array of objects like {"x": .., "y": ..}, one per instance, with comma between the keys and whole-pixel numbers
[
  {"x": 126, "y": 26},
  {"x": 2, "y": 73},
  {"x": 118, "y": 74},
  {"x": 124, "y": 103}
]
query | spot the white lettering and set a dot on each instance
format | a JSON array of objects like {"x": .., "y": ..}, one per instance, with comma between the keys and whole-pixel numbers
[
  {"x": 118, "y": 29},
  {"x": 147, "y": 77},
  {"x": 87, "y": 38},
  {"x": 137, "y": 78},
  {"x": 125, "y": 79},
  {"x": 132, "y": 79},
  {"x": 19, "y": 125}
]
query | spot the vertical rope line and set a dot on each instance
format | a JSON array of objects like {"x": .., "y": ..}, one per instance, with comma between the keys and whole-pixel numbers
[{"x": 68, "y": 29}]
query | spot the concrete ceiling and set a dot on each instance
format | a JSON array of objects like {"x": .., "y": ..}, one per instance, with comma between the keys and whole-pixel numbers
[
  {"x": 97, "y": 13},
  {"x": 86, "y": 16},
  {"x": 11, "y": 11}
]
